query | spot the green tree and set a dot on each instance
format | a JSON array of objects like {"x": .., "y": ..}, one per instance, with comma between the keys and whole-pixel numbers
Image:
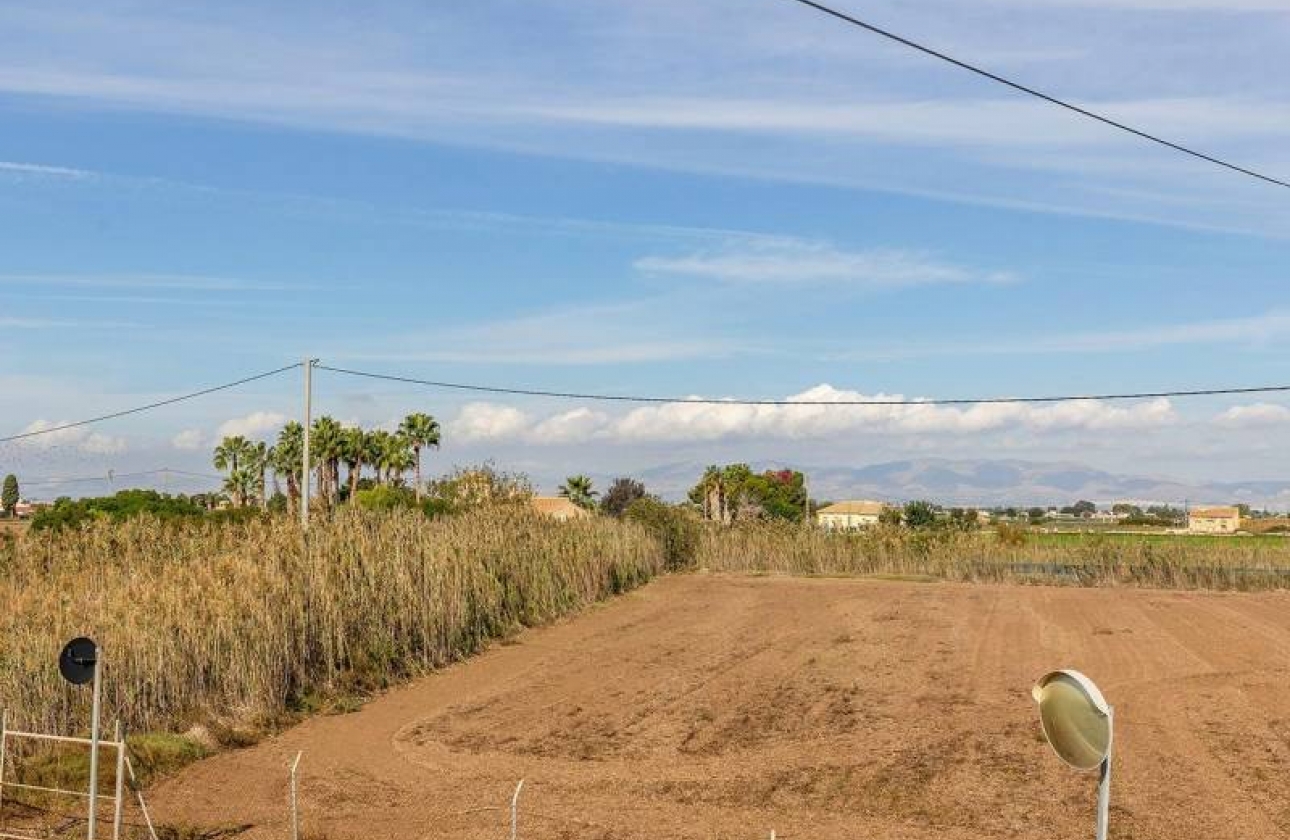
[
  {"x": 735, "y": 493},
  {"x": 421, "y": 431},
  {"x": 258, "y": 465},
  {"x": 620, "y": 495},
  {"x": 232, "y": 455},
  {"x": 288, "y": 457},
  {"x": 890, "y": 515},
  {"x": 9, "y": 495},
  {"x": 578, "y": 489},
  {"x": 920, "y": 514},
  {"x": 1081, "y": 508},
  {"x": 325, "y": 446},
  {"x": 357, "y": 450},
  {"x": 391, "y": 455}
]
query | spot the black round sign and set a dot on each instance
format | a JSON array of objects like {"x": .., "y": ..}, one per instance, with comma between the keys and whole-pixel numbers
[{"x": 77, "y": 661}]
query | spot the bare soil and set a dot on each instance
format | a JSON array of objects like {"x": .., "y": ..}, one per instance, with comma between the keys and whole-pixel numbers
[{"x": 725, "y": 707}]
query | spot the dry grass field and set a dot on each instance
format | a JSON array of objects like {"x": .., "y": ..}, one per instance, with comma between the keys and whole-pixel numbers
[
  {"x": 713, "y": 706},
  {"x": 236, "y": 626}
]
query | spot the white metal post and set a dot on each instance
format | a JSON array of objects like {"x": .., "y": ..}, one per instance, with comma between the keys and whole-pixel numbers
[
  {"x": 1104, "y": 783},
  {"x": 4, "y": 727},
  {"x": 118, "y": 812},
  {"x": 295, "y": 805},
  {"x": 138, "y": 792},
  {"x": 515, "y": 811},
  {"x": 94, "y": 745},
  {"x": 308, "y": 421}
]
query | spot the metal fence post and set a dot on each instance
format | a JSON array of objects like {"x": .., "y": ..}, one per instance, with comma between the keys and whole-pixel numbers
[
  {"x": 295, "y": 807},
  {"x": 94, "y": 748},
  {"x": 4, "y": 728},
  {"x": 515, "y": 811},
  {"x": 119, "y": 803},
  {"x": 138, "y": 792}
]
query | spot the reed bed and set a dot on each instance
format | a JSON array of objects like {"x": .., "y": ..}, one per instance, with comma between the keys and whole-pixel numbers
[
  {"x": 1185, "y": 563},
  {"x": 235, "y": 625}
]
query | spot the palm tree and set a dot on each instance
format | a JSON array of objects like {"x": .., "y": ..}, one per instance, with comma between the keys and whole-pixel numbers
[
  {"x": 239, "y": 485},
  {"x": 578, "y": 489},
  {"x": 325, "y": 450},
  {"x": 230, "y": 455},
  {"x": 356, "y": 450},
  {"x": 288, "y": 455},
  {"x": 391, "y": 455},
  {"x": 420, "y": 430},
  {"x": 257, "y": 464}
]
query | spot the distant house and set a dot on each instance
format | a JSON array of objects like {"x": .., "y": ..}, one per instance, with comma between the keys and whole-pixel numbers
[
  {"x": 558, "y": 507},
  {"x": 1214, "y": 520},
  {"x": 848, "y": 516},
  {"x": 25, "y": 509}
]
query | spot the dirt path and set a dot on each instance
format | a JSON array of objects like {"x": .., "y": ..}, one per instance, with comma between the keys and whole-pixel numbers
[{"x": 722, "y": 707}]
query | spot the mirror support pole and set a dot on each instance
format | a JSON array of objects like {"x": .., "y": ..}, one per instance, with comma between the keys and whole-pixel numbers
[{"x": 1104, "y": 786}]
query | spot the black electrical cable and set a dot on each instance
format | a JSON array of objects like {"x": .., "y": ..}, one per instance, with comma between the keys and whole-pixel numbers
[
  {"x": 149, "y": 406},
  {"x": 1053, "y": 100},
  {"x": 571, "y": 395}
]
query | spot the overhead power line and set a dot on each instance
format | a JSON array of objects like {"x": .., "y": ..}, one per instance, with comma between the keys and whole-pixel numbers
[
  {"x": 572, "y": 395},
  {"x": 141, "y": 408},
  {"x": 1053, "y": 100},
  {"x": 111, "y": 476}
]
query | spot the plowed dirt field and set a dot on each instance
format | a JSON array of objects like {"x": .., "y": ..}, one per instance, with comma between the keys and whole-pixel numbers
[{"x": 725, "y": 707}]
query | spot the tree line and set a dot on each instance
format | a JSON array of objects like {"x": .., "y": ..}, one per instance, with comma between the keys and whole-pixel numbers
[{"x": 389, "y": 455}]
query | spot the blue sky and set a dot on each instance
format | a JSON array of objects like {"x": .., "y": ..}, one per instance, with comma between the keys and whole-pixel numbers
[{"x": 715, "y": 199}]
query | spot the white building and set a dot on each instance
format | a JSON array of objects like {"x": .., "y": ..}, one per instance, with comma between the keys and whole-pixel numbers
[
  {"x": 849, "y": 516},
  {"x": 1214, "y": 520}
]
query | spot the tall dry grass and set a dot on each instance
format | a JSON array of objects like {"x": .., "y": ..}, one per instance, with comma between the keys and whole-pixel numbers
[
  {"x": 1182, "y": 562},
  {"x": 236, "y": 623}
]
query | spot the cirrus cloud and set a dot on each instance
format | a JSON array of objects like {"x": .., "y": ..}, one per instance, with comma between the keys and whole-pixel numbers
[{"x": 770, "y": 260}]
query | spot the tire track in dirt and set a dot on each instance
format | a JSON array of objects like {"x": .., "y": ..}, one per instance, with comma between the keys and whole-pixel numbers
[{"x": 722, "y": 707}]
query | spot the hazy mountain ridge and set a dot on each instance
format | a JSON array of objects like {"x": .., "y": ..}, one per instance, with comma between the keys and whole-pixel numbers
[{"x": 993, "y": 482}]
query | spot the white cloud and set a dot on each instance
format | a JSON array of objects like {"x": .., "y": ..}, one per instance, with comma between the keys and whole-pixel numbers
[
  {"x": 10, "y": 322},
  {"x": 1257, "y": 414},
  {"x": 692, "y": 420},
  {"x": 786, "y": 261},
  {"x": 189, "y": 440},
  {"x": 100, "y": 444},
  {"x": 170, "y": 282},
  {"x": 488, "y": 421},
  {"x": 79, "y": 438},
  {"x": 699, "y": 421},
  {"x": 1255, "y": 330},
  {"x": 1011, "y": 122},
  {"x": 39, "y": 169},
  {"x": 570, "y": 426},
  {"x": 253, "y": 425},
  {"x": 602, "y": 334}
]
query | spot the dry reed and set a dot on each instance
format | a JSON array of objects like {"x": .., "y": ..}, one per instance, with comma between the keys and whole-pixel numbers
[
  {"x": 1182, "y": 562},
  {"x": 234, "y": 624}
]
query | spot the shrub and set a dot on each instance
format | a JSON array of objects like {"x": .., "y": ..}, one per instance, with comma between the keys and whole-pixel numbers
[
  {"x": 677, "y": 530},
  {"x": 620, "y": 496},
  {"x": 385, "y": 498},
  {"x": 1010, "y": 535},
  {"x": 124, "y": 505}
]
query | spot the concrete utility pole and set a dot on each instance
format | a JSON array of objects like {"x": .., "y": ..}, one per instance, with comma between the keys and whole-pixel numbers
[{"x": 308, "y": 421}]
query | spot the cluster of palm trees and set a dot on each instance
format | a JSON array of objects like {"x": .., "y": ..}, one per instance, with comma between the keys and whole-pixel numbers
[{"x": 390, "y": 455}]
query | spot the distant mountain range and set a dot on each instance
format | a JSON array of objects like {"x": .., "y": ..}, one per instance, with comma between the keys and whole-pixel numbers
[{"x": 991, "y": 483}]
